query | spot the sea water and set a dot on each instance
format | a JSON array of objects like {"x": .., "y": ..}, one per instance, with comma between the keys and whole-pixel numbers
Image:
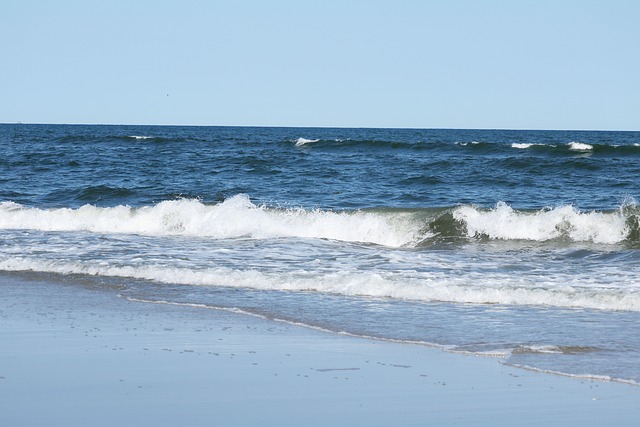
[{"x": 519, "y": 245}]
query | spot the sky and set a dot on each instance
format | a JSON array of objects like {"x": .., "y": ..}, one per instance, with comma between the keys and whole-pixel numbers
[{"x": 331, "y": 63}]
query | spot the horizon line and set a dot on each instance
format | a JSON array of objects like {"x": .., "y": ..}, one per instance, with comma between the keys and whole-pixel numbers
[{"x": 322, "y": 127}]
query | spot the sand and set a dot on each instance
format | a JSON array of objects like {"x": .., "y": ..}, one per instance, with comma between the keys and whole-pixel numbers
[{"x": 77, "y": 356}]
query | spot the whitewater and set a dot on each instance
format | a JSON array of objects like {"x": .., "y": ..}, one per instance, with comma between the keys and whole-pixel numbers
[
  {"x": 239, "y": 217},
  {"x": 521, "y": 245}
]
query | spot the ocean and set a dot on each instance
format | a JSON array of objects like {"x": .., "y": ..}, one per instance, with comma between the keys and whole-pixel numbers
[{"x": 518, "y": 245}]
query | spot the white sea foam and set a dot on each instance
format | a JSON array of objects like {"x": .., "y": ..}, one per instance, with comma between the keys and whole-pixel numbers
[
  {"x": 238, "y": 217},
  {"x": 542, "y": 349},
  {"x": 589, "y": 377},
  {"x": 496, "y": 289},
  {"x": 524, "y": 145},
  {"x": 505, "y": 223},
  {"x": 235, "y": 217},
  {"x": 303, "y": 141},
  {"x": 579, "y": 146},
  {"x": 141, "y": 137},
  {"x": 464, "y": 144}
]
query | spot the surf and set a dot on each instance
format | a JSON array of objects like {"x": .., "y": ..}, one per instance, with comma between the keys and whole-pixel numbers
[
  {"x": 426, "y": 286},
  {"x": 238, "y": 216},
  {"x": 235, "y": 217}
]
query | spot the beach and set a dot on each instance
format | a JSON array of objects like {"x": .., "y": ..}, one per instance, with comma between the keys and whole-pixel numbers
[
  {"x": 318, "y": 276},
  {"x": 74, "y": 355},
  {"x": 320, "y": 214}
]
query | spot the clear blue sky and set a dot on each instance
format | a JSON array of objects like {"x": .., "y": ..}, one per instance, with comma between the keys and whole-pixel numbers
[{"x": 427, "y": 64}]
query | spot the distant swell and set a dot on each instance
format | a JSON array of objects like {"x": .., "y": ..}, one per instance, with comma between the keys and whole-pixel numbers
[
  {"x": 552, "y": 149},
  {"x": 239, "y": 217},
  {"x": 101, "y": 191}
]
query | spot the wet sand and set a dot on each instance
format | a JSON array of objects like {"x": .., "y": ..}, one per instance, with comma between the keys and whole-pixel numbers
[{"x": 74, "y": 356}]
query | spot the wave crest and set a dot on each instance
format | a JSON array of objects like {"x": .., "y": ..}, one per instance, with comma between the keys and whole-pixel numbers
[
  {"x": 233, "y": 218},
  {"x": 580, "y": 146},
  {"x": 505, "y": 223},
  {"x": 304, "y": 141},
  {"x": 238, "y": 217}
]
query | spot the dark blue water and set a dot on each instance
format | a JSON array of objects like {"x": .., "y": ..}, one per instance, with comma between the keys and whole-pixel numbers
[
  {"x": 344, "y": 169},
  {"x": 524, "y": 245}
]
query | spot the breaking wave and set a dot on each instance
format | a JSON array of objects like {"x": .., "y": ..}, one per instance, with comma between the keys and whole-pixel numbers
[
  {"x": 525, "y": 145},
  {"x": 303, "y": 141},
  {"x": 233, "y": 218},
  {"x": 564, "y": 222},
  {"x": 239, "y": 217},
  {"x": 580, "y": 146}
]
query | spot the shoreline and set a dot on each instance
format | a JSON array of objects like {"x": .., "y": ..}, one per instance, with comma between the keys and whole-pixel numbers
[
  {"x": 498, "y": 356},
  {"x": 73, "y": 355}
]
